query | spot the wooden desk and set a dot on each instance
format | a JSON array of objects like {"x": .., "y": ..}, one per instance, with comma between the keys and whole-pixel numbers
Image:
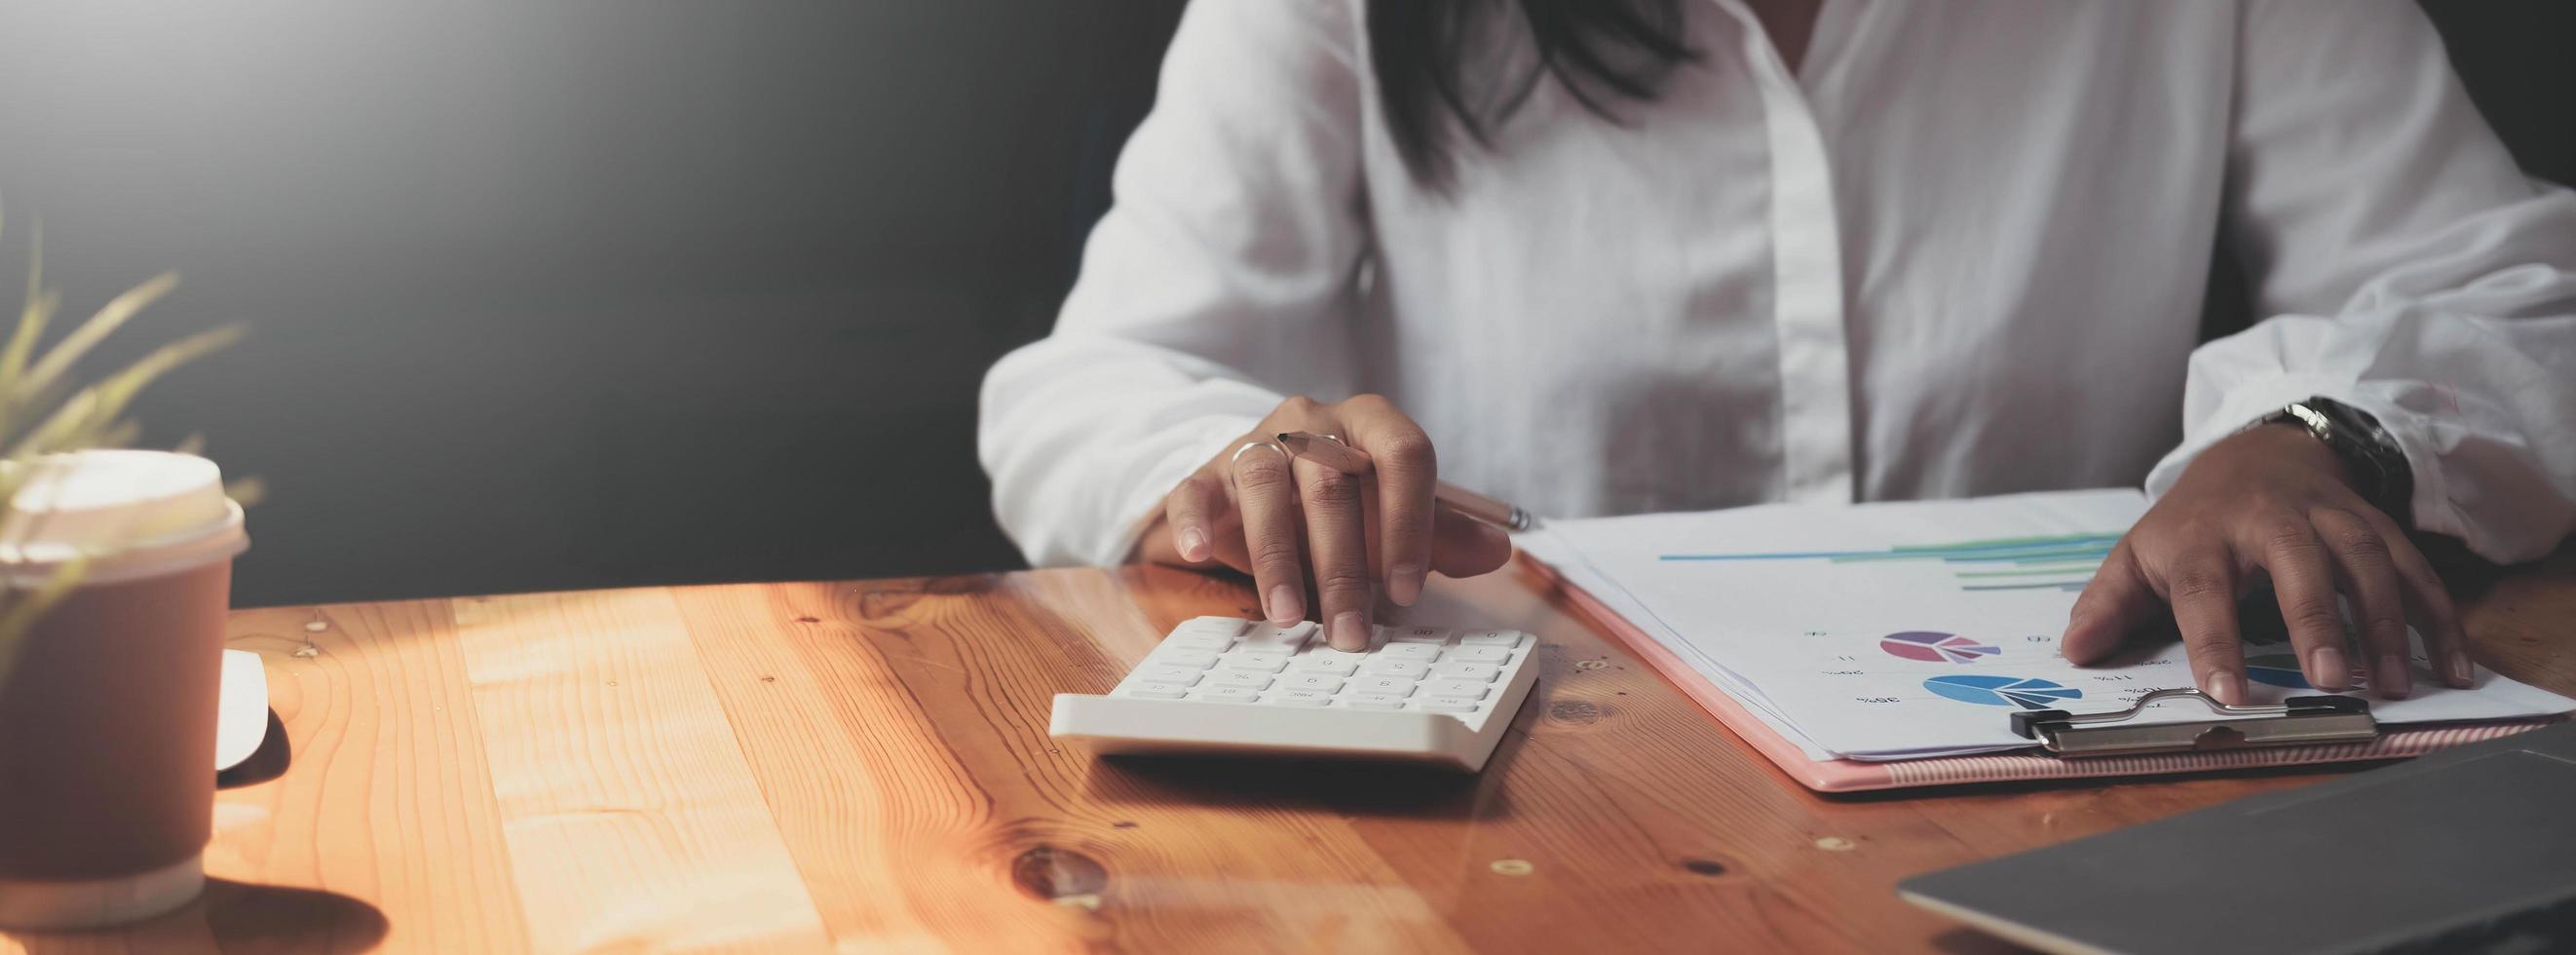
[{"x": 798, "y": 766}]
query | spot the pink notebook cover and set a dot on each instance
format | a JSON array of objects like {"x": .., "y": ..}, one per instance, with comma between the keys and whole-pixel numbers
[{"x": 1848, "y": 775}]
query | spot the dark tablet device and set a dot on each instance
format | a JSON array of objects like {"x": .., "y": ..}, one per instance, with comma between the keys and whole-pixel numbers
[{"x": 2466, "y": 850}]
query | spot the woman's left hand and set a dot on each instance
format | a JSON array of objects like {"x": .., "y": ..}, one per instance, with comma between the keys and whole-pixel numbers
[{"x": 2271, "y": 502}]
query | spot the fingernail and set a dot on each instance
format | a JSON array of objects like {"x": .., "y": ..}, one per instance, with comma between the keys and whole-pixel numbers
[
  {"x": 2327, "y": 669},
  {"x": 1404, "y": 584},
  {"x": 1286, "y": 606},
  {"x": 2394, "y": 681},
  {"x": 2221, "y": 686},
  {"x": 1350, "y": 632},
  {"x": 2462, "y": 671},
  {"x": 1193, "y": 544}
]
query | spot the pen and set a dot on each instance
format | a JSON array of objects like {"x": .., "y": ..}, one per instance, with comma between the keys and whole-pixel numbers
[{"x": 1332, "y": 453}]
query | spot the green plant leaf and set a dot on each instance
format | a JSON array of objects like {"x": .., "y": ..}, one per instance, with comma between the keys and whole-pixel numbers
[
  {"x": 58, "y": 360},
  {"x": 85, "y": 417}
]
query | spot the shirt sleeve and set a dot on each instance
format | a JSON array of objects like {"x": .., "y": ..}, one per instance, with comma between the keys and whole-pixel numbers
[
  {"x": 1220, "y": 280},
  {"x": 2410, "y": 268}
]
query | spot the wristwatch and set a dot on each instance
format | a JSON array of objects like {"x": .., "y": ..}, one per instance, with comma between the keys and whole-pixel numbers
[{"x": 2378, "y": 466}]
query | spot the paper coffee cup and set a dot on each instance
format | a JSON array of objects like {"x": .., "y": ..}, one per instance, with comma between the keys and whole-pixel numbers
[{"x": 108, "y": 712}]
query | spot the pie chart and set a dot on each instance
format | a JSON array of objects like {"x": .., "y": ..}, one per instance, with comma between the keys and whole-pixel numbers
[
  {"x": 2029, "y": 693},
  {"x": 1931, "y": 647}
]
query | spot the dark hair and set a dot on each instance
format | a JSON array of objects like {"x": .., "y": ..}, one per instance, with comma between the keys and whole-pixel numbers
[{"x": 1423, "y": 50}]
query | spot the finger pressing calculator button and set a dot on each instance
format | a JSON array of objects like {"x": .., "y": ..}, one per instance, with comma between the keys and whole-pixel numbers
[
  {"x": 1465, "y": 671},
  {"x": 1506, "y": 639},
  {"x": 1298, "y": 698},
  {"x": 1168, "y": 674},
  {"x": 1425, "y": 652},
  {"x": 1471, "y": 689},
  {"x": 1158, "y": 691},
  {"x": 1321, "y": 682},
  {"x": 1446, "y": 704},
  {"x": 1225, "y": 694},
  {"x": 1475, "y": 654},
  {"x": 1193, "y": 659},
  {"x": 1396, "y": 686},
  {"x": 1247, "y": 679}
]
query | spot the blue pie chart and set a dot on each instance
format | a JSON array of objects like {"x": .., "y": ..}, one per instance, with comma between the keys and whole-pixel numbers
[{"x": 2029, "y": 693}]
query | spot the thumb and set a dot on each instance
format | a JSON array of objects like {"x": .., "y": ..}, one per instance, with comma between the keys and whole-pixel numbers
[
  {"x": 1463, "y": 546},
  {"x": 2117, "y": 603}
]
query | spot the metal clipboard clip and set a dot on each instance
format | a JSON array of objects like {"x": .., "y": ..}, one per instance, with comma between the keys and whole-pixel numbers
[{"x": 2298, "y": 721}]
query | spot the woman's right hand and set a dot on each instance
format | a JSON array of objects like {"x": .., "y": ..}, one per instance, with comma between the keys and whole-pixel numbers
[{"x": 1299, "y": 526}]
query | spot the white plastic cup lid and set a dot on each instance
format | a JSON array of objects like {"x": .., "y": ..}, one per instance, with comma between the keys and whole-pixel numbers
[{"x": 133, "y": 513}]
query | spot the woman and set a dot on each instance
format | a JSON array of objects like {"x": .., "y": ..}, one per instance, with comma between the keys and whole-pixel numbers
[{"x": 1635, "y": 255}]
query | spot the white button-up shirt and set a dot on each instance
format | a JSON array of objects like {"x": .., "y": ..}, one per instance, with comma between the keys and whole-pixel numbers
[{"x": 1961, "y": 251}]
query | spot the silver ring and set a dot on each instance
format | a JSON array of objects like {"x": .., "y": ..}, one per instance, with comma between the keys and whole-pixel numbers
[{"x": 1249, "y": 445}]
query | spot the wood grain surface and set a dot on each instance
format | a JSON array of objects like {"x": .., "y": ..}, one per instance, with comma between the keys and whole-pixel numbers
[{"x": 865, "y": 767}]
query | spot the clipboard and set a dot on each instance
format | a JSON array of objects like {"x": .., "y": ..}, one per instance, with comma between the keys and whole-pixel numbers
[
  {"x": 2297, "y": 721},
  {"x": 2105, "y": 751}
]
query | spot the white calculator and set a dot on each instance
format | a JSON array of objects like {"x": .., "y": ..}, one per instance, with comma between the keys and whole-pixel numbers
[{"x": 1219, "y": 685}]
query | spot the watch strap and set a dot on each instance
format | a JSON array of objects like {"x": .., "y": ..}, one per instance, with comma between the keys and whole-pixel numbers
[{"x": 2379, "y": 469}]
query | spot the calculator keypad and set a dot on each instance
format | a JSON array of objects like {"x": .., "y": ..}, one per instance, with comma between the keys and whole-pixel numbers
[{"x": 1420, "y": 668}]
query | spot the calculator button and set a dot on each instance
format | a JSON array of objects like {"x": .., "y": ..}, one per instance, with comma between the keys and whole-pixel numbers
[
  {"x": 1475, "y": 655},
  {"x": 1370, "y": 701},
  {"x": 1395, "y": 686},
  {"x": 1193, "y": 659},
  {"x": 1447, "y": 670},
  {"x": 1198, "y": 641},
  {"x": 1383, "y": 665},
  {"x": 1321, "y": 682},
  {"x": 1471, "y": 689},
  {"x": 1158, "y": 691},
  {"x": 1425, "y": 652},
  {"x": 1266, "y": 661},
  {"x": 1220, "y": 626},
  {"x": 1322, "y": 657},
  {"x": 1299, "y": 698},
  {"x": 1430, "y": 635},
  {"x": 1266, "y": 637},
  {"x": 1446, "y": 704},
  {"x": 1247, "y": 679},
  {"x": 1323, "y": 665},
  {"x": 1506, "y": 639},
  {"x": 1226, "y": 694},
  {"x": 1168, "y": 674}
]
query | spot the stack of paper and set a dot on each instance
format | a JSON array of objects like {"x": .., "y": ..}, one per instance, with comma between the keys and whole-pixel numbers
[{"x": 1903, "y": 631}]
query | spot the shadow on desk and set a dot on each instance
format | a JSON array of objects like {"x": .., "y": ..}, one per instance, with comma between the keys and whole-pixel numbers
[
  {"x": 236, "y": 917},
  {"x": 1355, "y": 787},
  {"x": 267, "y": 762}
]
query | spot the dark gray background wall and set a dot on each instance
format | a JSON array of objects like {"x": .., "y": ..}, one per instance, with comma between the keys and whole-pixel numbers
[{"x": 550, "y": 295}]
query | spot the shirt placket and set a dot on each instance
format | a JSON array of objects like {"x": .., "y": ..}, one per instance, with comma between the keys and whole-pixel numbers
[{"x": 1807, "y": 286}]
